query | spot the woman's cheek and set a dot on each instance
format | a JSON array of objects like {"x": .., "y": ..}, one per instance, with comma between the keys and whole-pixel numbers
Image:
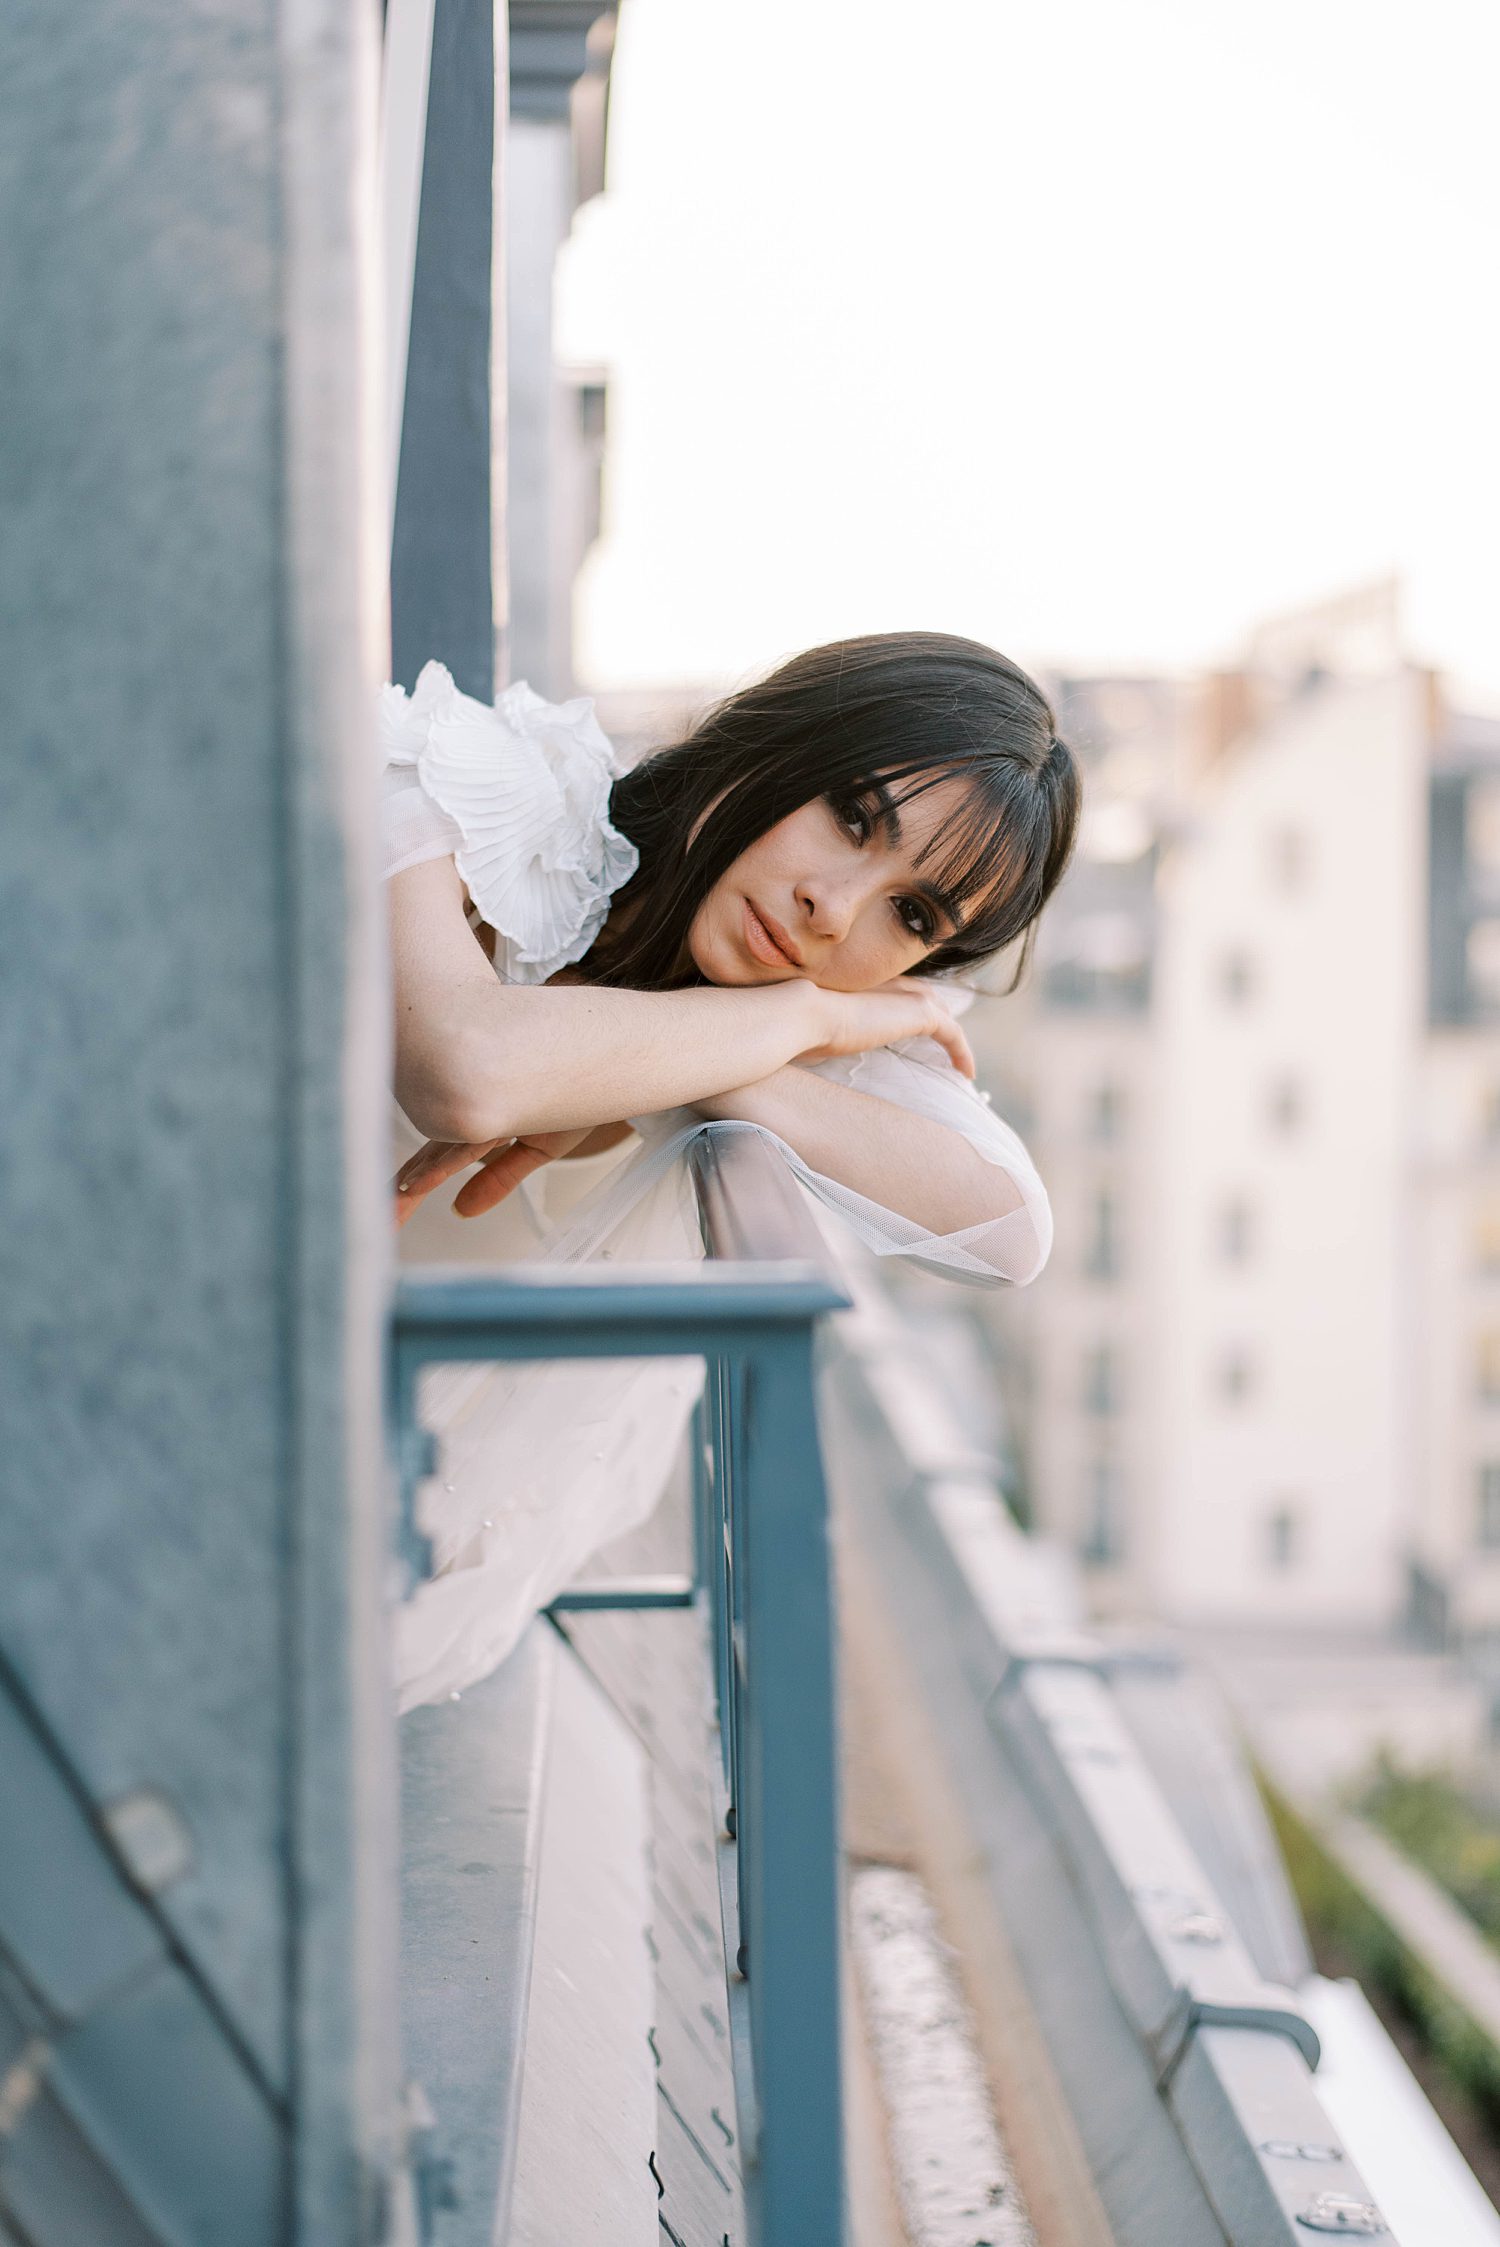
[{"x": 860, "y": 967}]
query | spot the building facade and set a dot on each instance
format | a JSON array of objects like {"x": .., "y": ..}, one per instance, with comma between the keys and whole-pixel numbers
[
  {"x": 1456, "y": 1532},
  {"x": 1259, "y": 1050}
]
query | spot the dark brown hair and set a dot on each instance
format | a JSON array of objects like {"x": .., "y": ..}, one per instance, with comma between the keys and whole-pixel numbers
[{"x": 896, "y": 712}]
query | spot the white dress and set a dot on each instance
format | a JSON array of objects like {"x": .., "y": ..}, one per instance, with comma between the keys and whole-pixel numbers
[{"x": 518, "y": 796}]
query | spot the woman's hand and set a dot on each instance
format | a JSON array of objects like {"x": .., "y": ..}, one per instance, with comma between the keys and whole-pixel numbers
[
  {"x": 503, "y": 1164},
  {"x": 856, "y": 1021}
]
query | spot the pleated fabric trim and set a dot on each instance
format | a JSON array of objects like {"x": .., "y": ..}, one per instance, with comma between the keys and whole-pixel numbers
[{"x": 526, "y": 784}]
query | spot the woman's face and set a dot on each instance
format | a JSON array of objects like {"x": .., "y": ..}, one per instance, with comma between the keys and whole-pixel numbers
[{"x": 832, "y": 892}]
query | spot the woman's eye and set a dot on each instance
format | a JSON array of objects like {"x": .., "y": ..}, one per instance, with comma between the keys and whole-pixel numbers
[
  {"x": 916, "y": 918},
  {"x": 852, "y": 814}
]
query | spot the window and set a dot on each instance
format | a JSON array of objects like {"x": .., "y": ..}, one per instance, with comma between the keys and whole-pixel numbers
[
  {"x": 1236, "y": 978},
  {"x": 1106, "y": 1105},
  {"x": 1283, "y": 1538},
  {"x": 1482, "y": 826},
  {"x": 1487, "y": 1367},
  {"x": 1102, "y": 1544},
  {"x": 1097, "y": 960},
  {"x": 1482, "y": 963},
  {"x": 1489, "y": 1116},
  {"x": 1286, "y": 1106},
  {"x": 1487, "y": 1520},
  {"x": 1235, "y": 1375},
  {"x": 1102, "y": 1256},
  {"x": 1287, "y": 858},
  {"x": 1101, "y": 1380},
  {"x": 1487, "y": 1234},
  {"x": 1235, "y": 1230}
]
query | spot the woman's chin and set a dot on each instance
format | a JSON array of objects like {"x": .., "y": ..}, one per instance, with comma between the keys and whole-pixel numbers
[
  {"x": 716, "y": 965},
  {"x": 744, "y": 979}
]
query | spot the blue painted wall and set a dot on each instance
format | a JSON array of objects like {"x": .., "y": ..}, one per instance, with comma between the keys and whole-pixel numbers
[{"x": 190, "y": 1040}]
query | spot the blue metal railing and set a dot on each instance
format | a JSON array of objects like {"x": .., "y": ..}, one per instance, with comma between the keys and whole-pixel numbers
[{"x": 762, "y": 1573}]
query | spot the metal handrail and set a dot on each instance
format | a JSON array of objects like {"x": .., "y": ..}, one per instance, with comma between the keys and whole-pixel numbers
[
  {"x": 751, "y": 1208},
  {"x": 762, "y": 1577}
]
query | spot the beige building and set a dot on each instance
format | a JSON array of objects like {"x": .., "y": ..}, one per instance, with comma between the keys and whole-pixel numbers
[
  {"x": 1260, "y": 1380},
  {"x": 1456, "y": 1531}
]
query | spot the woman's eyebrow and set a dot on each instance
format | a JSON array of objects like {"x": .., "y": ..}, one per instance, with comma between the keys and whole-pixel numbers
[
  {"x": 887, "y": 818},
  {"x": 941, "y": 902}
]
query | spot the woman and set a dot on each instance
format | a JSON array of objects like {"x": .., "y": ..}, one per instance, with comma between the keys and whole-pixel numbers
[{"x": 746, "y": 927}]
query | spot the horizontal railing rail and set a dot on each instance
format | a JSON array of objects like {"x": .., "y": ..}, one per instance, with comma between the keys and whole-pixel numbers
[{"x": 762, "y": 1576}]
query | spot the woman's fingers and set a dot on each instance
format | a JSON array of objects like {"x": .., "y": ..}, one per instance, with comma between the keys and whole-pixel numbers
[
  {"x": 952, "y": 1040},
  {"x": 439, "y": 1159},
  {"x": 937, "y": 1021},
  {"x": 890, "y": 1014},
  {"x": 909, "y": 1010},
  {"x": 432, "y": 1166},
  {"x": 409, "y": 1200},
  {"x": 500, "y": 1174},
  {"x": 504, "y": 1163}
]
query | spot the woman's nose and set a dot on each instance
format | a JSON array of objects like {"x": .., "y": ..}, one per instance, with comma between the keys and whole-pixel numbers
[{"x": 830, "y": 904}]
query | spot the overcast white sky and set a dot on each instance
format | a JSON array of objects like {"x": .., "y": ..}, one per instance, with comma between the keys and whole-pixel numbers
[{"x": 1096, "y": 328}]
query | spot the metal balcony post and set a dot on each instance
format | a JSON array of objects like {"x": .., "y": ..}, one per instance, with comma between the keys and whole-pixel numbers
[
  {"x": 719, "y": 1579},
  {"x": 789, "y": 1854}
]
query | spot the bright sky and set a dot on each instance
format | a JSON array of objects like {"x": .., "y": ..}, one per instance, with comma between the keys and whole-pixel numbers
[{"x": 1095, "y": 328}]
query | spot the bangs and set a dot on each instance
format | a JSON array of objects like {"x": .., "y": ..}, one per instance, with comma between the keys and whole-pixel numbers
[{"x": 982, "y": 859}]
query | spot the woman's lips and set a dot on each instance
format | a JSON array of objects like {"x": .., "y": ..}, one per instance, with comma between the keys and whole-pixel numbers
[{"x": 767, "y": 940}]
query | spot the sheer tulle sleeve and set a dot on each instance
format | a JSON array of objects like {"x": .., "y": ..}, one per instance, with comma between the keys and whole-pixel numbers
[
  {"x": 918, "y": 1075},
  {"x": 518, "y": 797}
]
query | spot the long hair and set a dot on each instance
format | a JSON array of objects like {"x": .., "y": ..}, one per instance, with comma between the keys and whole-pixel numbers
[{"x": 901, "y": 711}]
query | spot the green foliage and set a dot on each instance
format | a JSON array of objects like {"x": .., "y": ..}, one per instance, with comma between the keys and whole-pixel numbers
[
  {"x": 1350, "y": 1937},
  {"x": 1431, "y": 1821}
]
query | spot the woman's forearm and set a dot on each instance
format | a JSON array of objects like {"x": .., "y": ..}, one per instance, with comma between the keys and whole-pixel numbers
[
  {"x": 907, "y": 1163},
  {"x": 513, "y": 1059},
  {"x": 479, "y": 1060}
]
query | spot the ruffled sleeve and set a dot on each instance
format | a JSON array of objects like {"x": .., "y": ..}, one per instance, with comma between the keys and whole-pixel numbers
[{"x": 518, "y": 796}]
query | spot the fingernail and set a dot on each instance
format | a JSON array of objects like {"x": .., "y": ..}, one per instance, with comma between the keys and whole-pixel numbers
[{"x": 402, "y": 1187}]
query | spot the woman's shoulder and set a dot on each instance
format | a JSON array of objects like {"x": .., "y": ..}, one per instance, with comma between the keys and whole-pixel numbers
[{"x": 519, "y": 794}]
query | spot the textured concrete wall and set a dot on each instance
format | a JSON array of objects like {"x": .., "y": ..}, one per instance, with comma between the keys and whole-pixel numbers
[{"x": 190, "y": 1039}]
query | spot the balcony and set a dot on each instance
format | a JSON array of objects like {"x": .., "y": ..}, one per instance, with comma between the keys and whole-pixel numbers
[
  {"x": 622, "y": 1930},
  {"x": 548, "y": 1981}
]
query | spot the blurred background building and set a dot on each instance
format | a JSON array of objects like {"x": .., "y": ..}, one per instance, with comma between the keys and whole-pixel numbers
[{"x": 1258, "y": 1060}]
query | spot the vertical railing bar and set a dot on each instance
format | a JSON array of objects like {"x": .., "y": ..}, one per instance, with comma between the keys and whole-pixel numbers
[
  {"x": 722, "y": 1595},
  {"x": 736, "y": 1377},
  {"x": 702, "y": 1487},
  {"x": 789, "y": 1862},
  {"x": 416, "y": 1458},
  {"x": 723, "y": 1376}
]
